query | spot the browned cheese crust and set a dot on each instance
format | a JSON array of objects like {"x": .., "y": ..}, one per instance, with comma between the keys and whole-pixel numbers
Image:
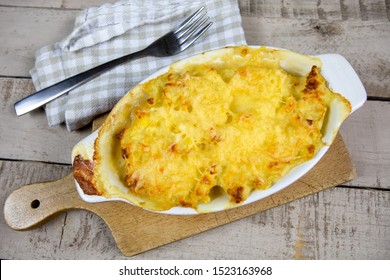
[{"x": 83, "y": 173}]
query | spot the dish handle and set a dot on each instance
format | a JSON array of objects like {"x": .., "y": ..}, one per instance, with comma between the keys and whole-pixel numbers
[{"x": 343, "y": 79}]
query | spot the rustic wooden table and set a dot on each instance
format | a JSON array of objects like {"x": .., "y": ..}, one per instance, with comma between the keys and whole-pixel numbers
[{"x": 351, "y": 221}]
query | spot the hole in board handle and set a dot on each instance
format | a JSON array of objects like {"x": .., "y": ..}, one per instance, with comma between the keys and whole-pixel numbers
[{"x": 35, "y": 204}]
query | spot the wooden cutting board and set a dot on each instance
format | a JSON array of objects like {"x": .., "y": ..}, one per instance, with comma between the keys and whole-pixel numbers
[{"x": 136, "y": 230}]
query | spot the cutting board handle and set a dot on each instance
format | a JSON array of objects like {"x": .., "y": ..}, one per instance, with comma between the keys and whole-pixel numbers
[{"x": 32, "y": 204}]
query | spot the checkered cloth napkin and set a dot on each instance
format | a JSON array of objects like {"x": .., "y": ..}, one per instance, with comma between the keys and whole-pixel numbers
[{"x": 104, "y": 33}]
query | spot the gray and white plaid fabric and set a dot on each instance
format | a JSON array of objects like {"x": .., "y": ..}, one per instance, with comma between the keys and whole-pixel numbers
[{"x": 104, "y": 33}]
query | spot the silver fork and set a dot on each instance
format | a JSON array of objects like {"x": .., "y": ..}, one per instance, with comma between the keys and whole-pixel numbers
[{"x": 174, "y": 42}]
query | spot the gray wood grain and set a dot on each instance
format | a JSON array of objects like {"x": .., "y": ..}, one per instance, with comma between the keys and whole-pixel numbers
[
  {"x": 24, "y": 31},
  {"x": 331, "y": 9},
  {"x": 366, "y": 10},
  {"x": 366, "y": 133},
  {"x": 32, "y": 3},
  {"x": 28, "y": 137}
]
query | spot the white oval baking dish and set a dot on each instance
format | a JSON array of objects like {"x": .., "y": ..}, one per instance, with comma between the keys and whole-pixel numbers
[{"x": 341, "y": 78}]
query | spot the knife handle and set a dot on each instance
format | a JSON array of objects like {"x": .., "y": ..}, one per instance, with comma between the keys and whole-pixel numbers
[{"x": 50, "y": 93}]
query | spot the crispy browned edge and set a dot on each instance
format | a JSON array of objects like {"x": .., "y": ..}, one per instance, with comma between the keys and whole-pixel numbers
[{"x": 83, "y": 173}]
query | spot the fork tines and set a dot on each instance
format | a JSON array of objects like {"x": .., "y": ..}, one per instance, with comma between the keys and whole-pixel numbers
[{"x": 192, "y": 27}]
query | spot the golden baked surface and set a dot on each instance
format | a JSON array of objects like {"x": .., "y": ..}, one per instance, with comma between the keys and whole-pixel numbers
[{"x": 235, "y": 123}]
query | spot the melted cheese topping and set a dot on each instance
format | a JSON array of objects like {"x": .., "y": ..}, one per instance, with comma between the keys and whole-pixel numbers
[{"x": 237, "y": 122}]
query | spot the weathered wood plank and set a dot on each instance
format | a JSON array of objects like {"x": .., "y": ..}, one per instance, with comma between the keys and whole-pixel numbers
[
  {"x": 373, "y": 10},
  {"x": 280, "y": 9},
  {"x": 32, "y": 3},
  {"x": 340, "y": 223},
  {"x": 366, "y": 133},
  {"x": 376, "y": 10},
  {"x": 59, "y": 4},
  {"x": 24, "y": 31},
  {"x": 74, "y": 4},
  {"x": 28, "y": 137}
]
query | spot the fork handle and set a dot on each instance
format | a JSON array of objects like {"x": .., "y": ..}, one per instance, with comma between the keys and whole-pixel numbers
[{"x": 50, "y": 93}]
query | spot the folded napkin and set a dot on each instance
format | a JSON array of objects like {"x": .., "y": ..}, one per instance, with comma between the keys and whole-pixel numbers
[{"x": 104, "y": 33}]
